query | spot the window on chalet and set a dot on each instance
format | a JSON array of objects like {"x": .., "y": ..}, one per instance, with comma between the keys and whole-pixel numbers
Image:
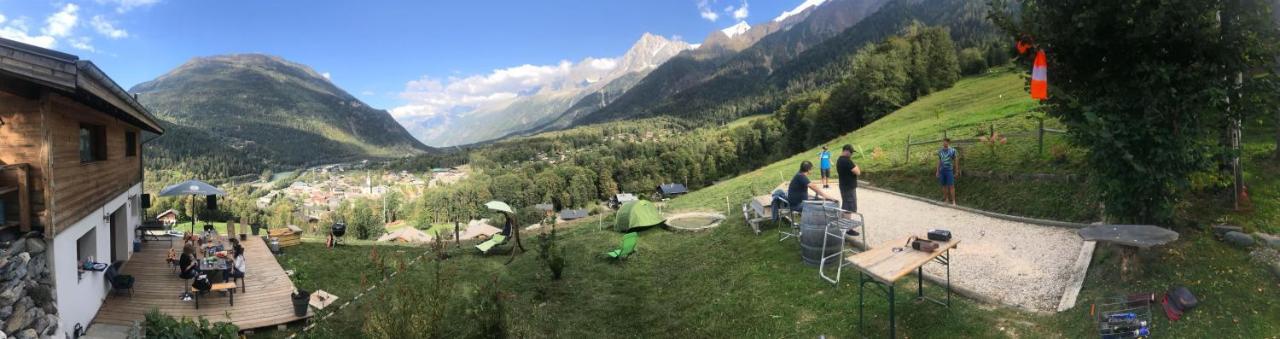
[
  {"x": 93, "y": 143},
  {"x": 130, "y": 143},
  {"x": 87, "y": 245}
]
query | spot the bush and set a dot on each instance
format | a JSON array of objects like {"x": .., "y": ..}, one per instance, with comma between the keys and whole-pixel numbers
[
  {"x": 160, "y": 325},
  {"x": 549, "y": 254}
]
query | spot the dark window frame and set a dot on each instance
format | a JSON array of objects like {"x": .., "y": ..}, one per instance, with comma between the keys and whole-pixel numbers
[
  {"x": 96, "y": 143},
  {"x": 130, "y": 143}
]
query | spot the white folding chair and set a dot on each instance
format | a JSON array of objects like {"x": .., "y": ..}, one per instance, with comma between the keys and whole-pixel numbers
[{"x": 837, "y": 228}]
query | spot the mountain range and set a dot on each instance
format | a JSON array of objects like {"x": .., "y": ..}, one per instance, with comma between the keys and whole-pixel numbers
[
  {"x": 729, "y": 62},
  {"x": 278, "y": 112},
  {"x": 547, "y": 103}
]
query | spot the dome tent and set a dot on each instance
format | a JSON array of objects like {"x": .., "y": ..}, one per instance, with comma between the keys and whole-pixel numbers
[{"x": 636, "y": 214}]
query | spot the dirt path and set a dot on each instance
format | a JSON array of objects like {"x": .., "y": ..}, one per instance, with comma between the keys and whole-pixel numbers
[{"x": 1018, "y": 264}]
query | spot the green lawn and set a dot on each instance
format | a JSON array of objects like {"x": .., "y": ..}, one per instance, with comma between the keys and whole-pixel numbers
[{"x": 729, "y": 282}]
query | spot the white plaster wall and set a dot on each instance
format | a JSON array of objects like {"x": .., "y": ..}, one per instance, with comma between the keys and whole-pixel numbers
[{"x": 80, "y": 299}]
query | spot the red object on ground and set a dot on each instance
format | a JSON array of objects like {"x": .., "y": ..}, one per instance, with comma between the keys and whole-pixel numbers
[
  {"x": 1022, "y": 47},
  {"x": 1170, "y": 310},
  {"x": 1040, "y": 77}
]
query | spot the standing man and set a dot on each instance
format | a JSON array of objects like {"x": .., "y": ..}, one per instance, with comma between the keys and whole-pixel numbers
[
  {"x": 824, "y": 163},
  {"x": 948, "y": 166},
  {"x": 848, "y": 172},
  {"x": 798, "y": 190}
]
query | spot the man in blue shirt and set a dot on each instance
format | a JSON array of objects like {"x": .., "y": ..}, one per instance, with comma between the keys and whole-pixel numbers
[
  {"x": 798, "y": 190},
  {"x": 824, "y": 163},
  {"x": 948, "y": 166}
]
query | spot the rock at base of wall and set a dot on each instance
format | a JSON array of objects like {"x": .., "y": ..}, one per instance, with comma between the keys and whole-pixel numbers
[
  {"x": 1238, "y": 239},
  {"x": 27, "y": 334},
  {"x": 35, "y": 245}
]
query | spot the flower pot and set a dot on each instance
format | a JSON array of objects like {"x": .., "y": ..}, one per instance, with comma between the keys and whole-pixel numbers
[
  {"x": 300, "y": 302},
  {"x": 255, "y": 228}
]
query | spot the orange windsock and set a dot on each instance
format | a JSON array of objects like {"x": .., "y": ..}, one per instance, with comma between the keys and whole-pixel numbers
[{"x": 1040, "y": 77}]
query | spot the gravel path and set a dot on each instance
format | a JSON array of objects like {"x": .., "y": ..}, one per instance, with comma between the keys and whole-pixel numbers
[{"x": 1019, "y": 264}]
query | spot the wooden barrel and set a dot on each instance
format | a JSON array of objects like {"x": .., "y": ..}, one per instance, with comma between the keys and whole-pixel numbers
[{"x": 813, "y": 222}]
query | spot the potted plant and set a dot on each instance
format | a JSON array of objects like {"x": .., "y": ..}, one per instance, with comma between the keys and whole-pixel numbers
[
  {"x": 256, "y": 227},
  {"x": 301, "y": 298}
]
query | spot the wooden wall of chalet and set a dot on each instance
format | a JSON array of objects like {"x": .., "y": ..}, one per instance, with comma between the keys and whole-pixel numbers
[
  {"x": 82, "y": 188},
  {"x": 21, "y": 142}
]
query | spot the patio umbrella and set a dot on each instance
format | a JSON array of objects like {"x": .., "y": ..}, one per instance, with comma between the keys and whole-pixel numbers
[
  {"x": 499, "y": 206},
  {"x": 192, "y": 188}
]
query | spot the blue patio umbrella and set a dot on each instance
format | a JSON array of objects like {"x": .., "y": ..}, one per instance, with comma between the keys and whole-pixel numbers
[{"x": 191, "y": 188}]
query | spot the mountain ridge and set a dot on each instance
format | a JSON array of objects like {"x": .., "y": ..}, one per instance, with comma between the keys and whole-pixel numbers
[{"x": 288, "y": 113}]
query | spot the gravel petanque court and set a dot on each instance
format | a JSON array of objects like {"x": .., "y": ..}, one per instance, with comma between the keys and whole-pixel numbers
[{"x": 1020, "y": 264}]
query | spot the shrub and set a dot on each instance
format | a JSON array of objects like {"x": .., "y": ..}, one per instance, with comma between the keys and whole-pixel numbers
[
  {"x": 549, "y": 254},
  {"x": 160, "y": 325}
]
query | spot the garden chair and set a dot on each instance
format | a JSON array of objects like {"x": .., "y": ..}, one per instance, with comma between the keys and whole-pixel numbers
[
  {"x": 627, "y": 247},
  {"x": 119, "y": 282},
  {"x": 836, "y": 229},
  {"x": 497, "y": 239}
]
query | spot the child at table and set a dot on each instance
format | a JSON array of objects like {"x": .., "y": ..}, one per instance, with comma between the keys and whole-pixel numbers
[{"x": 236, "y": 270}]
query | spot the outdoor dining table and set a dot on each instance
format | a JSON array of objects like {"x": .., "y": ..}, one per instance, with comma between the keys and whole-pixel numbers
[
  {"x": 885, "y": 264},
  {"x": 214, "y": 269}
]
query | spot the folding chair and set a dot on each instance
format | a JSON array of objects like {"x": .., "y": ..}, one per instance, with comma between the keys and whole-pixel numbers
[
  {"x": 627, "y": 247},
  {"x": 836, "y": 228},
  {"x": 784, "y": 213}
]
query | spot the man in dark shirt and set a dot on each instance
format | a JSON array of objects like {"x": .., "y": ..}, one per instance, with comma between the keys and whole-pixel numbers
[
  {"x": 848, "y": 173},
  {"x": 798, "y": 191}
]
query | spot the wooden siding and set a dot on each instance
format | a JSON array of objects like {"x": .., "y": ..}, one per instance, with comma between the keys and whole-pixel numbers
[
  {"x": 81, "y": 188},
  {"x": 21, "y": 142}
]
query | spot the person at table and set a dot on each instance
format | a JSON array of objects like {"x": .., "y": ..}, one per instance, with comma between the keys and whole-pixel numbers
[
  {"x": 237, "y": 267},
  {"x": 798, "y": 190},
  {"x": 188, "y": 264}
]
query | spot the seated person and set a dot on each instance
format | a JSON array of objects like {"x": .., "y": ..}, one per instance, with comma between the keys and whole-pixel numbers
[
  {"x": 798, "y": 191},
  {"x": 188, "y": 264},
  {"x": 237, "y": 267}
]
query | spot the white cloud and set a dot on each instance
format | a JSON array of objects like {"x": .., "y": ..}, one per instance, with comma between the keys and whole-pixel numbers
[
  {"x": 603, "y": 64},
  {"x": 81, "y": 43},
  {"x": 123, "y": 6},
  {"x": 704, "y": 10},
  {"x": 61, "y": 23},
  {"x": 2, "y": 18},
  {"x": 107, "y": 28},
  {"x": 368, "y": 93},
  {"x": 740, "y": 13},
  {"x": 326, "y": 76},
  {"x": 17, "y": 30}
]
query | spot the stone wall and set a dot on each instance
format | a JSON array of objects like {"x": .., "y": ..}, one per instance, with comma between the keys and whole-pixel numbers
[{"x": 27, "y": 305}]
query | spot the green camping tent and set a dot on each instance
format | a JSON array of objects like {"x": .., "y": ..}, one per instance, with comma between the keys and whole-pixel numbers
[{"x": 636, "y": 214}]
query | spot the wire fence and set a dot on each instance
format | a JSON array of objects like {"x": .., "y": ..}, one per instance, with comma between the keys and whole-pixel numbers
[{"x": 1039, "y": 133}]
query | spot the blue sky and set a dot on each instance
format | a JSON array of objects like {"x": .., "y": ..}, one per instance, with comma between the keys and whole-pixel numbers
[{"x": 373, "y": 49}]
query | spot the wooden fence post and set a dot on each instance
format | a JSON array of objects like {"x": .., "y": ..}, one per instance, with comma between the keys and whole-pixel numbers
[{"x": 906, "y": 157}]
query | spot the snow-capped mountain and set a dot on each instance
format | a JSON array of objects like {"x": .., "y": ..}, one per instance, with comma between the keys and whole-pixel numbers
[
  {"x": 736, "y": 30},
  {"x": 539, "y": 104}
]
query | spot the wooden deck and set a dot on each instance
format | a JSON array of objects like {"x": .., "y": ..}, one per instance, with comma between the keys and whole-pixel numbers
[{"x": 265, "y": 304}]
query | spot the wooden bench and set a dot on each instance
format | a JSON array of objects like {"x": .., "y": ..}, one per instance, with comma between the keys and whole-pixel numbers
[{"x": 229, "y": 288}]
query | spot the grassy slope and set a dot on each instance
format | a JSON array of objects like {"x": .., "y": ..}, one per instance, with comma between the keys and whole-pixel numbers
[{"x": 731, "y": 283}]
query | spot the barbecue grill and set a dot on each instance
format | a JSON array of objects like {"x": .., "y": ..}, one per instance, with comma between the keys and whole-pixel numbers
[{"x": 337, "y": 231}]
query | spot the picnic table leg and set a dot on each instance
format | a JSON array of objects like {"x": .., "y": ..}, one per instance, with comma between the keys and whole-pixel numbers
[
  {"x": 920, "y": 282},
  {"x": 861, "y": 282},
  {"x": 232, "y": 296},
  {"x": 948, "y": 256},
  {"x": 197, "y": 297},
  {"x": 893, "y": 329}
]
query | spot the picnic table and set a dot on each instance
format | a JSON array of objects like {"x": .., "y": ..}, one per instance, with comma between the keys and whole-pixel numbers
[
  {"x": 883, "y": 265},
  {"x": 146, "y": 231},
  {"x": 214, "y": 269}
]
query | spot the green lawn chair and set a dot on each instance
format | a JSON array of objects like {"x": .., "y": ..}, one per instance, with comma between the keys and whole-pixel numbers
[
  {"x": 496, "y": 240},
  {"x": 628, "y": 246}
]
